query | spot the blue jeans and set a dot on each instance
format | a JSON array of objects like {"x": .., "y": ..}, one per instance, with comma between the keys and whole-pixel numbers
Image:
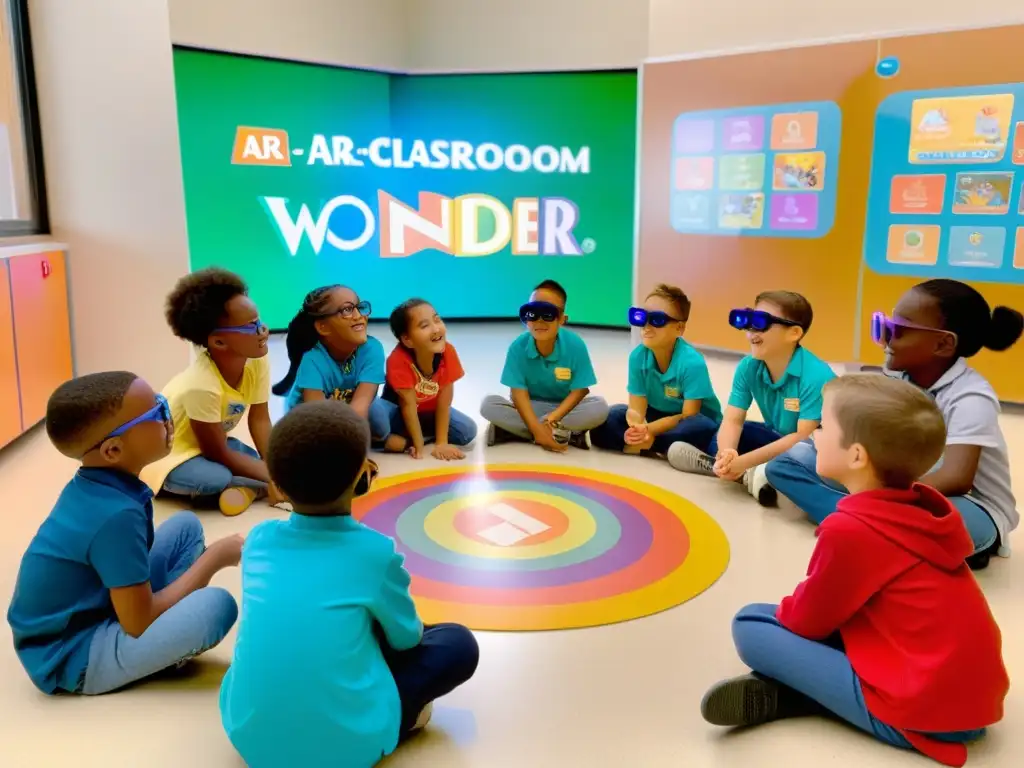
[
  {"x": 202, "y": 480},
  {"x": 794, "y": 475},
  {"x": 754, "y": 435},
  {"x": 446, "y": 657},
  {"x": 820, "y": 671},
  {"x": 186, "y": 629},
  {"x": 461, "y": 428},
  {"x": 696, "y": 430}
]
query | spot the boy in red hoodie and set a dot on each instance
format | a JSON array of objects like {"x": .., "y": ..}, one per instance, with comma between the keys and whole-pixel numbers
[{"x": 868, "y": 635}]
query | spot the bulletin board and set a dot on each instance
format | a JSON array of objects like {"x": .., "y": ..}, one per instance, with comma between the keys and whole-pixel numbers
[{"x": 915, "y": 171}]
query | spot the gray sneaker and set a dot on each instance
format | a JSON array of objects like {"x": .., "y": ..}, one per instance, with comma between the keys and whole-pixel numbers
[
  {"x": 496, "y": 436},
  {"x": 687, "y": 458},
  {"x": 755, "y": 480}
]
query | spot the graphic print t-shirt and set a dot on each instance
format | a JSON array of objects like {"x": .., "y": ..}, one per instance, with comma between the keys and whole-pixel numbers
[
  {"x": 403, "y": 373},
  {"x": 338, "y": 381}
]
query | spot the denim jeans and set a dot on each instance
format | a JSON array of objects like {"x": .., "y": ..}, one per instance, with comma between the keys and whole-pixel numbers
[
  {"x": 446, "y": 657},
  {"x": 820, "y": 671},
  {"x": 754, "y": 435},
  {"x": 186, "y": 629},
  {"x": 794, "y": 475},
  {"x": 202, "y": 480},
  {"x": 461, "y": 428},
  {"x": 697, "y": 430}
]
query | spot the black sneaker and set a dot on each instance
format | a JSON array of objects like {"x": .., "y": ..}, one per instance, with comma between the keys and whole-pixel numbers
[
  {"x": 979, "y": 560},
  {"x": 580, "y": 440},
  {"x": 496, "y": 436},
  {"x": 753, "y": 700}
]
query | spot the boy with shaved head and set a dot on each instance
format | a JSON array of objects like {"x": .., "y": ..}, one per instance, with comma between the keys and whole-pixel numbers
[{"x": 102, "y": 599}]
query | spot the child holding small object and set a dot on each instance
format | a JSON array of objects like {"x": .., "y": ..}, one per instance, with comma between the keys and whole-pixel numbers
[
  {"x": 936, "y": 327},
  {"x": 421, "y": 375},
  {"x": 670, "y": 394},
  {"x": 889, "y": 631},
  {"x": 549, "y": 374},
  {"x": 102, "y": 598},
  {"x": 211, "y": 309},
  {"x": 331, "y": 356},
  {"x": 332, "y": 665},
  {"x": 783, "y": 378}
]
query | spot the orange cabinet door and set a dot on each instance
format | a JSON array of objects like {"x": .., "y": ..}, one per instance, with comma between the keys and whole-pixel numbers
[
  {"x": 42, "y": 330},
  {"x": 10, "y": 402}
]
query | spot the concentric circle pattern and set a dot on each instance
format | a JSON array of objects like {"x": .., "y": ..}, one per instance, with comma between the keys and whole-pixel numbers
[{"x": 520, "y": 547}]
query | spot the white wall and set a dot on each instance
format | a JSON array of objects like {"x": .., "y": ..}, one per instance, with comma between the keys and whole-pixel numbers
[
  {"x": 678, "y": 27},
  {"x": 113, "y": 175},
  {"x": 369, "y": 34},
  {"x": 526, "y": 35}
]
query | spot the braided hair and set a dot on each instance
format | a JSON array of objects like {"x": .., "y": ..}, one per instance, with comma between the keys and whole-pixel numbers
[{"x": 302, "y": 333}]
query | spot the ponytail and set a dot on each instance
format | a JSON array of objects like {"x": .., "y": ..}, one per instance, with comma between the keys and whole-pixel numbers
[
  {"x": 303, "y": 335},
  {"x": 1005, "y": 329},
  {"x": 966, "y": 313}
]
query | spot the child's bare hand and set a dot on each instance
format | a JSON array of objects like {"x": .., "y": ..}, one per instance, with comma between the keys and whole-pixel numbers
[
  {"x": 227, "y": 552},
  {"x": 636, "y": 435},
  {"x": 416, "y": 451},
  {"x": 447, "y": 453},
  {"x": 545, "y": 438}
]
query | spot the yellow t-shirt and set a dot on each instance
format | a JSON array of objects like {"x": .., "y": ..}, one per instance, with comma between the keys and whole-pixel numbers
[{"x": 199, "y": 393}]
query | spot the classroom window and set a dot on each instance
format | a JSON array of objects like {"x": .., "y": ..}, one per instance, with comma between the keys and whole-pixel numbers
[{"x": 22, "y": 194}]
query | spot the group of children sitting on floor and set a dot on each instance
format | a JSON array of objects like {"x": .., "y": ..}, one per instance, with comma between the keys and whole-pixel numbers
[{"x": 906, "y": 474}]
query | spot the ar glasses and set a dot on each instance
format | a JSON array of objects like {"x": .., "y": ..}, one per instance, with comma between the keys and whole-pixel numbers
[
  {"x": 755, "y": 320},
  {"x": 539, "y": 310},
  {"x": 159, "y": 412},
  {"x": 639, "y": 317},
  {"x": 255, "y": 328},
  {"x": 884, "y": 328}
]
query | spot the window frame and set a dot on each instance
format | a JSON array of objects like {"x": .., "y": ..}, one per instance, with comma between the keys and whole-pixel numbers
[{"x": 25, "y": 73}]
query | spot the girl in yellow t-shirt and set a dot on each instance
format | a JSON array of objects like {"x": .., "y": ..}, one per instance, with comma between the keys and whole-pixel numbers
[{"x": 231, "y": 373}]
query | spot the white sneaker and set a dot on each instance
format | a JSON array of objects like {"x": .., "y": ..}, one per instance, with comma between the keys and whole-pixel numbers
[
  {"x": 687, "y": 458},
  {"x": 756, "y": 481}
]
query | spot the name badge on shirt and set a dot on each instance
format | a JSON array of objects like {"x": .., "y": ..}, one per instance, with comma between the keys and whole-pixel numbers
[
  {"x": 563, "y": 374},
  {"x": 792, "y": 404},
  {"x": 672, "y": 392}
]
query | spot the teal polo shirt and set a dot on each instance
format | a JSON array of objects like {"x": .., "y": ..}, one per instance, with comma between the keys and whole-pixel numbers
[
  {"x": 796, "y": 396},
  {"x": 308, "y": 685},
  {"x": 686, "y": 379},
  {"x": 549, "y": 379}
]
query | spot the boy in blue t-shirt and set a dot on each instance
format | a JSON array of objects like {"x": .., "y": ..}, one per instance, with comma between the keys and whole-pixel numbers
[
  {"x": 332, "y": 665},
  {"x": 332, "y": 357},
  {"x": 102, "y": 599},
  {"x": 670, "y": 393},
  {"x": 785, "y": 381},
  {"x": 549, "y": 375}
]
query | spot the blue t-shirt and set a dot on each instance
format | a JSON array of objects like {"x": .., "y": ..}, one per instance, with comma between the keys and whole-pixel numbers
[
  {"x": 97, "y": 538},
  {"x": 309, "y": 685},
  {"x": 796, "y": 396},
  {"x": 338, "y": 381},
  {"x": 549, "y": 379},
  {"x": 687, "y": 378}
]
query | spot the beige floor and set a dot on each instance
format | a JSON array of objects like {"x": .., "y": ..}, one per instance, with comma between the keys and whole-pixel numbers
[{"x": 623, "y": 695}]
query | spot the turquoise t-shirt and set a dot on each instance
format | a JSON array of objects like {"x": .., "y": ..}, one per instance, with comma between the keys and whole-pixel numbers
[
  {"x": 549, "y": 379},
  {"x": 794, "y": 397},
  {"x": 338, "y": 381},
  {"x": 308, "y": 685},
  {"x": 687, "y": 378}
]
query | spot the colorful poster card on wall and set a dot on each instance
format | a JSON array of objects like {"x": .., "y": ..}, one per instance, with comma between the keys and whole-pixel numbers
[
  {"x": 763, "y": 167},
  {"x": 945, "y": 198}
]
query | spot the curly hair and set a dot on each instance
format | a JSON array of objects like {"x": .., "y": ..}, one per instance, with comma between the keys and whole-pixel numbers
[
  {"x": 77, "y": 406},
  {"x": 196, "y": 304}
]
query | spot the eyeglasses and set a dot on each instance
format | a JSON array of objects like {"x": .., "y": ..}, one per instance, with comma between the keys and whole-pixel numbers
[
  {"x": 884, "y": 328},
  {"x": 255, "y": 328},
  {"x": 639, "y": 317},
  {"x": 755, "y": 320},
  {"x": 160, "y": 412},
  {"x": 539, "y": 310},
  {"x": 348, "y": 310}
]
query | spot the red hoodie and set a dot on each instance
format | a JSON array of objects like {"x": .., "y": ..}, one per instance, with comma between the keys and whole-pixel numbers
[{"x": 888, "y": 573}]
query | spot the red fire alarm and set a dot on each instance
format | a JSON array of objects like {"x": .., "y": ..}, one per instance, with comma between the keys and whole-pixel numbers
[{"x": 46, "y": 268}]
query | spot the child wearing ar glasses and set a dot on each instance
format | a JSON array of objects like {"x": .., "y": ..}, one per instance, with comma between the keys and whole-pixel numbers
[
  {"x": 670, "y": 394},
  {"x": 549, "y": 376},
  {"x": 785, "y": 381},
  {"x": 211, "y": 309},
  {"x": 936, "y": 327}
]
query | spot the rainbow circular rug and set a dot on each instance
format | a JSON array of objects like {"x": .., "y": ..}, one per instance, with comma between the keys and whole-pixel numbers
[{"x": 523, "y": 547}]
